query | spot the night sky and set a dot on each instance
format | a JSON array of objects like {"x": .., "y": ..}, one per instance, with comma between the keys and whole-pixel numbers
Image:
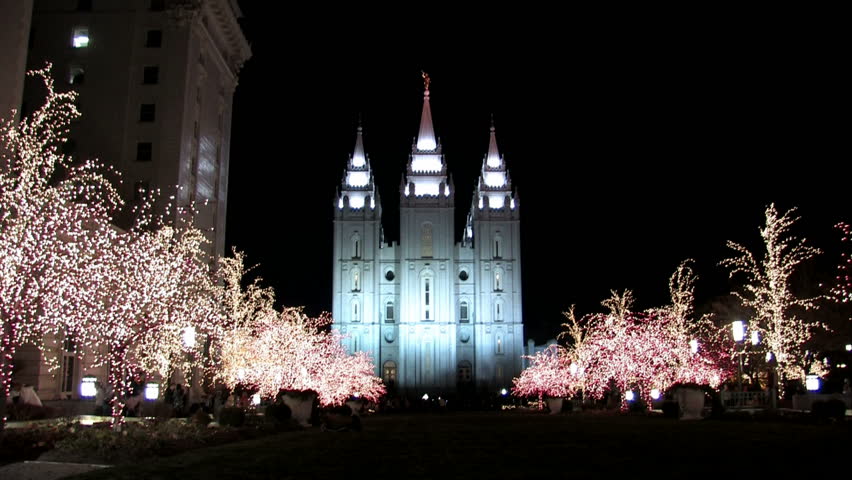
[{"x": 631, "y": 150}]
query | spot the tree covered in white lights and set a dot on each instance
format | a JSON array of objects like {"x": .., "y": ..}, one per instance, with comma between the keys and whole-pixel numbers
[
  {"x": 269, "y": 351},
  {"x": 842, "y": 290},
  {"x": 152, "y": 293},
  {"x": 54, "y": 218},
  {"x": 767, "y": 294}
]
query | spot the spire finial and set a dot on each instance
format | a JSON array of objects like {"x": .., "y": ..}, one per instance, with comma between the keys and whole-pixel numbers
[
  {"x": 426, "y": 81},
  {"x": 492, "y": 122},
  {"x": 359, "y": 123}
]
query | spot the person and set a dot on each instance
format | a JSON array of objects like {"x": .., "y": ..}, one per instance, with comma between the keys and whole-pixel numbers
[{"x": 180, "y": 400}]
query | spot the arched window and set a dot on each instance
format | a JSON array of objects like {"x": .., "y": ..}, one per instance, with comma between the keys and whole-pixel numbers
[
  {"x": 464, "y": 372},
  {"x": 426, "y": 240},
  {"x": 498, "y": 246},
  {"x": 356, "y": 343},
  {"x": 498, "y": 344},
  {"x": 427, "y": 297},
  {"x": 356, "y": 311},
  {"x": 464, "y": 314},
  {"x": 389, "y": 318},
  {"x": 389, "y": 373},
  {"x": 356, "y": 280},
  {"x": 498, "y": 280},
  {"x": 498, "y": 310}
]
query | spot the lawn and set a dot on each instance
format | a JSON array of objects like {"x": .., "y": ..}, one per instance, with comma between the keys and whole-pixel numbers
[{"x": 511, "y": 445}]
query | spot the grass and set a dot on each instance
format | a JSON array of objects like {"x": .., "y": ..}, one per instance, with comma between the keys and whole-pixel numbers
[{"x": 511, "y": 445}]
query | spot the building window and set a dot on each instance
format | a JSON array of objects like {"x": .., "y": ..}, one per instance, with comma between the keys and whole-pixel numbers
[
  {"x": 356, "y": 311},
  {"x": 499, "y": 374},
  {"x": 498, "y": 280},
  {"x": 80, "y": 39},
  {"x": 356, "y": 245},
  {"x": 144, "y": 151},
  {"x": 498, "y": 246},
  {"x": 356, "y": 280},
  {"x": 140, "y": 190},
  {"x": 157, "y": 5},
  {"x": 498, "y": 345},
  {"x": 69, "y": 354},
  {"x": 463, "y": 313},
  {"x": 356, "y": 344},
  {"x": 154, "y": 39},
  {"x": 426, "y": 297},
  {"x": 389, "y": 373},
  {"x": 498, "y": 310},
  {"x": 389, "y": 276},
  {"x": 464, "y": 372},
  {"x": 76, "y": 75},
  {"x": 84, "y": 5},
  {"x": 151, "y": 75},
  {"x": 147, "y": 112},
  {"x": 389, "y": 312},
  {"x": 426, "y": 240}
]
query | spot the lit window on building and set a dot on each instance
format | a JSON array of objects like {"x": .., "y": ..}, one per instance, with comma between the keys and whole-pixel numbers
[{"x": 80, "y": 38}]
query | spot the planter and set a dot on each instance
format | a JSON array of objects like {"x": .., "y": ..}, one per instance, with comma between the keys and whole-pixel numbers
[
  {"x": 690, "y": 402},
  {"x": 554, "y": 404},
  {"x": 356, "y": 406},
  {"x": 301, "y": 406}
]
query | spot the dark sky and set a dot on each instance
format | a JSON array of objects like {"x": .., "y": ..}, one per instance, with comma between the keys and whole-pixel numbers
[{"x": 631, "y": 148}]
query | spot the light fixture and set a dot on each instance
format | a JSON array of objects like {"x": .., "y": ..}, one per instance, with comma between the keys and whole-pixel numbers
[
  {"x": 152, "y": 391},
  {"x": 630, "y": 396},
  {"x": 655, "y": 393},
  {"x": 812, "y": 383},
  {"x": 693, "y": 346},
  {"x": 189, "y": 337},
  {"x": 755, "y": 337},
  {"x": 87, "y": 387},
  {"x": 738, "y": 329}
]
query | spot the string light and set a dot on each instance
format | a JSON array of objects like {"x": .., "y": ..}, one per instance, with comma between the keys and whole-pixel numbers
[{"x": 766, "y": 292}]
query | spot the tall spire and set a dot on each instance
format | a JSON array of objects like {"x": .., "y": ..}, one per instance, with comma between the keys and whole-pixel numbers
[
  {"x": 359, "y": 159},
  {"x": 426, "y": 137}
]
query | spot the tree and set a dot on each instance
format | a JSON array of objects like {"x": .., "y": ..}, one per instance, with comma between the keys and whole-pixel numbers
[
  {"x": 842, "y": 290},
  {"x": 291, "y": 351},
  {"x": 153, "y": 285},
  {"x": 268, "y": 350},
  {"x": 766, "y": 293},
  {"x": 549, "y": 375},
  {"x": 54, "y": 218},
  {"x": 627, "y": 351}
]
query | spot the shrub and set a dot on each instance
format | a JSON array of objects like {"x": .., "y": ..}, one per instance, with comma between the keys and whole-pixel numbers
[
  {"x": 278, "y": 413},
  {"x": 232, "y": 417},
  {"x": 200, "y": 418},
  {"x": 835, "y": 409}
]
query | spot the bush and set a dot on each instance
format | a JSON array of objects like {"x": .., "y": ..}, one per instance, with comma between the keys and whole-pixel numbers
[
  {"x": 671, "y": 409},
  {"x": 232, "y": 417},
  {"x": 24, "y": 412},
  {"x": 200, "y": 418},
  {"x": 835, "y": 409},
  {"x": 278, "y": 413}
]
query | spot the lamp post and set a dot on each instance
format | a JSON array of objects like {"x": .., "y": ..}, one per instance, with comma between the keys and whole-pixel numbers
[{"x": 738, "y": 329}]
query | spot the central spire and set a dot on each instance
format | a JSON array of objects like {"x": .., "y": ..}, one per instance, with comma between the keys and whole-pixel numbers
[{"x": 426, "y": 137}]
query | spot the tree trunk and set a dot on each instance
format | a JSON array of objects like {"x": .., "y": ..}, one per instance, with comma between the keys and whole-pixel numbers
[{"x": 6, "y": 366}]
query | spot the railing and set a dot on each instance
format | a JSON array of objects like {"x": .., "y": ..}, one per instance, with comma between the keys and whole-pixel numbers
[{"x": 737, "y": 400}]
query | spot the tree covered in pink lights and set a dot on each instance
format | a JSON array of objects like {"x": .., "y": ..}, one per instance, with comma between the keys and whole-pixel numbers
[
  {"x": 547, "y": 376},
  {"x": 622, "y": 350},
  {"x": 54, "y": 219}
]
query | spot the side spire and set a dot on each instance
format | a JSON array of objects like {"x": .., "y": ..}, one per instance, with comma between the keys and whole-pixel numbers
[
  {"x": 493, "y": 159},
  {"x": 426, "y": 137}
]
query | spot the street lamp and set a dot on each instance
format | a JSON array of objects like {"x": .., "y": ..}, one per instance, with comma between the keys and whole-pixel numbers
[{"x": 738, "y": 329}]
